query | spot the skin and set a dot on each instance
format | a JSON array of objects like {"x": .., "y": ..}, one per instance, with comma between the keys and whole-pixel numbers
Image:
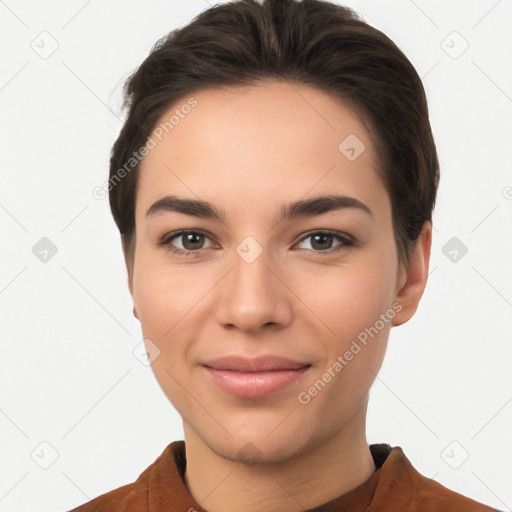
[{"x": 248, "y": 151}]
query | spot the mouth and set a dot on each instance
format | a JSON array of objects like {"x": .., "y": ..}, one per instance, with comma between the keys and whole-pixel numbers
[
  {"x": 254, "y": 377},
  {"x": 266, "y": 363}
]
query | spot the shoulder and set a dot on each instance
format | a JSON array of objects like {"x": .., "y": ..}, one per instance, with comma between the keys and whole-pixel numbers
[
  {"x": 421, "y": 494},
  {"x": 134, "y": 497},
  {"x": 122, "y": 499},
  {"x": 434, "y": 497}
]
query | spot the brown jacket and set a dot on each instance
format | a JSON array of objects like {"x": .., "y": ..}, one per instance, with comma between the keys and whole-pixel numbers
[{"x": 396, "y": 486}]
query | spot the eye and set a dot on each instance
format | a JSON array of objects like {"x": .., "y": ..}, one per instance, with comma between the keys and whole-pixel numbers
[
  {"x": 190, "y": 241},
  {"x": 321, "y": 241}
]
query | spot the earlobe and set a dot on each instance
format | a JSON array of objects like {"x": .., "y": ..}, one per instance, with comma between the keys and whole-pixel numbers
[
  {"x": 416, "y": 274},
  {"x": 129, "y": 270},
  {"x": 130, "y": 287},
  {"x": 130, "y": 284}
]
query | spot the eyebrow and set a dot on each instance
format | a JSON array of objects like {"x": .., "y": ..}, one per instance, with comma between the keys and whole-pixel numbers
[{"x": 295, "y": 210}]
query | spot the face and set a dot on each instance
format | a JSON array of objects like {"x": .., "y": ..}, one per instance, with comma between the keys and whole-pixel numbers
[{"x": 316, "y": 284}]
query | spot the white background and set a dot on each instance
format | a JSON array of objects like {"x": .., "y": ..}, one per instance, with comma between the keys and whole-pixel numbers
[{"x": 68, "y": 374}]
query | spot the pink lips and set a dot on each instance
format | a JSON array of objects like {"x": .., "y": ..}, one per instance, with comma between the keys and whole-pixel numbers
[{"x": 254, "y": 377}]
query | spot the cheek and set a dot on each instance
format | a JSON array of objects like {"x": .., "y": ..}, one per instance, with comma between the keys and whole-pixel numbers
[
  {"x": 166, "y": 297},
  {"x": 351, "y": 298},
  {"x": 356, "y": 307},
  {"x": 170, "y": 306}
]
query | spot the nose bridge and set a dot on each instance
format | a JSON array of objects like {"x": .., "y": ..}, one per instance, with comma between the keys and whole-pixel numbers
[
  {"x": 251, "y": 272},
  {"x": 251, "y": 294}
]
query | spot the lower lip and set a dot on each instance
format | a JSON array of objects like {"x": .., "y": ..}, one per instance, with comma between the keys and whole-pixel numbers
[{"x": 256, "y": 384}]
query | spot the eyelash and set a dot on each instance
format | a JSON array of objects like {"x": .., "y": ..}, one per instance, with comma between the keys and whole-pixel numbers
[{"x": 166, "y": 242}]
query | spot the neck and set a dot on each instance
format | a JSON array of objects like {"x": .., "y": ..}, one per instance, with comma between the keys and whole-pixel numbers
[{"x": 312, "y": 477}]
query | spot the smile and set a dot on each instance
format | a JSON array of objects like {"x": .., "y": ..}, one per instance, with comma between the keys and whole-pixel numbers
[{"x": 254, "y": 384}]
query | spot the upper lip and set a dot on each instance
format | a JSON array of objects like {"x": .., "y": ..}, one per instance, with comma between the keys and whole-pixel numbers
[{"x": 255, "y": 364}]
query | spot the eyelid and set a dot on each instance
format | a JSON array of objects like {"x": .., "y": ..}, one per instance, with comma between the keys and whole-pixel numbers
[
  {"x": 346, "y": 239},
  {"x": 166, "y": 239},
  {"x": 339, "y": 234}
]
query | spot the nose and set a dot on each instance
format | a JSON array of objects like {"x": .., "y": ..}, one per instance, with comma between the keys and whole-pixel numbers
[{"x": 253, "y": 295}]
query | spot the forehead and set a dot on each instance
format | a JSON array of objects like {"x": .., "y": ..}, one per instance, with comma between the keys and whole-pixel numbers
[{"x": 275, "y": 139}]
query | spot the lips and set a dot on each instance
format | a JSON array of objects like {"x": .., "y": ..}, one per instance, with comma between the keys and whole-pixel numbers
[
  {"x": 257, "y": 364},
  {"x": 254, "y": 377}
]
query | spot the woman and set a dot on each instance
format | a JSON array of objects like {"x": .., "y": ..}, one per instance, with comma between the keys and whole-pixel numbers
[{"x": 273, "y": 185}]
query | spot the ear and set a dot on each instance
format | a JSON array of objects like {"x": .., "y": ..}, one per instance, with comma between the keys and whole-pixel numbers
[
  {"x": 413, "y": 277},
  {"x": 129, "y": 269}
]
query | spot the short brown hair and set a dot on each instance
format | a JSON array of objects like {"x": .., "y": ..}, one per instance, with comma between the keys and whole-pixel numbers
[{"x": 311, "y": 42}]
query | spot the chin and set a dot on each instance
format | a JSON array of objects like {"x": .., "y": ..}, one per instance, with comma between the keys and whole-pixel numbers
[
  {"x": 256, "y": 451},
  {"x": 262, "y": 446}
]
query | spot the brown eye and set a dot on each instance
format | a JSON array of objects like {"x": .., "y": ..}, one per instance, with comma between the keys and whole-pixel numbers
[
  {"x": 192, "y": 241},
  {"x": 322, "y": 241},
  {"x": 184, "y": 242}
]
